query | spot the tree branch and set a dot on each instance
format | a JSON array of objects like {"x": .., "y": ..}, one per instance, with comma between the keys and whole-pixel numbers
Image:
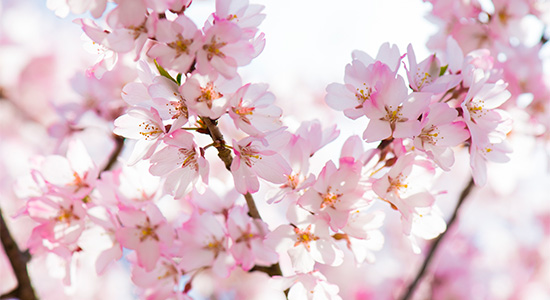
[
  {"x": 465, "y": 192},
  {"x": 18, "y": 261},
  {"x": 225, "y": 155},
  {"x": 116, "y": 152}
]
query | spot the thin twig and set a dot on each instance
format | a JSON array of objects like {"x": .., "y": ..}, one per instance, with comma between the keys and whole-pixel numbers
[
  {"x": 116, "y": 152},
  {"x": 18, "y": 261},
  {"x": 465, "y": 192}
]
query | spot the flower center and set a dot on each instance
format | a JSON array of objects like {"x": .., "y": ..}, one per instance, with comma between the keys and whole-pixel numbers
[
  {"x": 362, "y": 95},
  {"x": 213, "y": 49},
  {"x": 249, "y": 154},
  {"x": 149, "y": 131},
  {"x": 189, "y": 158},
  {"x": 304, "y": 237},
  {"x": 209, "y": 94},
  {"x": 181, "y": 45}
]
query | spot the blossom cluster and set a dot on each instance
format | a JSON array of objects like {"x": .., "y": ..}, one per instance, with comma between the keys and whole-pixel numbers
[{"x": 194, "y": 149}]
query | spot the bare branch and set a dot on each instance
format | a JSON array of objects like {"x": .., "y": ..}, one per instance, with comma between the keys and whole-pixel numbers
[
  {"x": 18, "y": 261},
  {"x": 410, "y": 290}
]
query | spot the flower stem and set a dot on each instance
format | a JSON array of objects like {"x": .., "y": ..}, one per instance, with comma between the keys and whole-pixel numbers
[{"x": 410, "y": 290}]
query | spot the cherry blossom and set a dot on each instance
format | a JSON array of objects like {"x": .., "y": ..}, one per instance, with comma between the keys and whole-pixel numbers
[
  {"x": 252, "y": 110},
  {"x": 362, "y": 82},
  {"x": 426, "y": 76},
  {"x": 145, "y": 231},
  {"x": 127, "y": 163},
  {"x": 311, "y": 286},
  {"x": 224, "y": 50},
  {"x": 307, "y": 243},
  {"x": 178, "y": 41},
  {"x": 247, "y": 16},
  {"x": 255, "y": 157},
  {"x": 203, "y": 242},
  {"x": 248, "y": 247},
  {"x": 144, "y": 125},
  {"x": 181, "y": 162},
  {"x": 394, "y": 187},
  {"x": 61, "y": 220},
  {"x": 439, "y": 133},
  {"x": 74, "y": 175},
  {"x": 394, "y": 114},
  {"x": 335, "y": 193},
  {"x": 208, "y": 97}
]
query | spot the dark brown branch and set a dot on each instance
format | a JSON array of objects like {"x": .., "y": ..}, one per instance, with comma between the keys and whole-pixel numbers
[
  {"x": 18, "y": 261},
  {"x": 465, "y": 192},
  {"x": 225, "y": 155},
  {"x": 223, "y": 152},
  {"x": 116, "y": 152}
]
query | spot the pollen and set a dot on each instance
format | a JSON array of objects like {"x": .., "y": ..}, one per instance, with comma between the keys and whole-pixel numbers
[
  {"x": 422, "y": 79},
  {"x": 476, "y": 108},
  {"x": 363, "y": 94},
  {"x": 213, "y": 48},
  {"x": 249, "y": 154},
  {"x": 397, "y": 184},
  {"x": 209, "y": 94},
  {"x": 181, "y": 45},
  {"x": 149, "y": 131},
  {"x": 178, "y": 108},
  {"x": 430, "y": 135},
  {"x": 304, "y": 237},
  {"x": 329, "y": 198},
  {"x": 393, "y": 116},
  {"x": 66, "y": 215},
  {"x": 189, "y": 157}
]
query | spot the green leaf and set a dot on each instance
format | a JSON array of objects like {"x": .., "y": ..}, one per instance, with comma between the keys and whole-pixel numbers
[
  {"x": 443, "y": 70},
  {"x": 163, "y": 72},
  {"x": 178, "y": 79}
]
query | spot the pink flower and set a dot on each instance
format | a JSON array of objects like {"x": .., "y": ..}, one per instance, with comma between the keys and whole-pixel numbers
[
  {"x": 306, "y": 243},
  {"x": 481, "y": 153},
  {"x": 388, "y": 55},
  {"x": 312, "y": 286},
  {"x": 439, "y": 133},
  {"x": 75, "y": 175},
  {"x": 255, "y": 157},
  {"x": 363, "y": 235},
  {"x": 426, "y": 76},
  {"x": 210, "y": 201},
  {"x": 203, "y": 243},
  {"x": 208, "y": 97},
  {"x": 163, "y": 282},
  {"x": 135, "y": 93},
  {"x": 247, "y": 16},
  {"x": 144, "y": 125},
  {"x": 479, "y": 107},
  {"x": 224, "y": 50},
  {"x": 252, "y": 110},
  {"x": 61, "y": 220},
  {"x": 362, "y": 82},
  {"x": 248, "y": 236},
  {"x": 106, "y": 220},
  {"x": 335, "y": 193},
  {"x": 181, "y": 162},
  {"x": 393, "y": 113},
  {"x": 145, "y": 231},
  {"x": 395, "y": 188},
  {"x": 177, "y": 43},
  {"x": 168, "y": 101}
]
